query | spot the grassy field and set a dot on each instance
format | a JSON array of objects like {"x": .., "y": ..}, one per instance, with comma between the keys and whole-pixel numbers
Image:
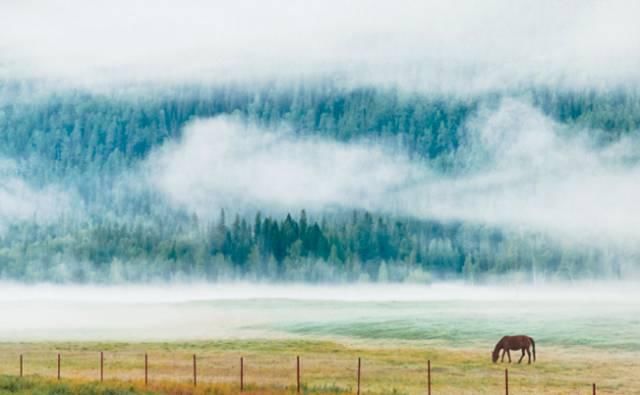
[
  {"x": 328, "y": 367},
  {"x": 583, "y": 335}
]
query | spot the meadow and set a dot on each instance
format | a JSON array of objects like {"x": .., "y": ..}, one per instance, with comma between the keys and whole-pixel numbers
[{"x": 582, "y": 337}]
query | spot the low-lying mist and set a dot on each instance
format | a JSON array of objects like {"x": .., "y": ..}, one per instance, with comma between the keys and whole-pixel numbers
[
  {"x": 452, "y": 313},
  {"x": 518, "y": 170},
  {"x": 20, "y": 201},
  {"x": 195, "y": 292}
]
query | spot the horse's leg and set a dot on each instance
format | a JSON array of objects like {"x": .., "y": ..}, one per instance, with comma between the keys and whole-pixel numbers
[
  {"x": 529, "y": 354},
  {"x": 509, "y": 355},
  {"x": 521, "y": 356},
  {"x": 503, "y": 352}
]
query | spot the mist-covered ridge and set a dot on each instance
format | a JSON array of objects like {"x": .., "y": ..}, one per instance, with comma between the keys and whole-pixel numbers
[{"x": 131, "y": 187}]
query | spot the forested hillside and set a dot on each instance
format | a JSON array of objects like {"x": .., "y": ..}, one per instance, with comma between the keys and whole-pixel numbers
[
  {"x": 79, "y": 131},
  {"x": 87, "y": 142}
]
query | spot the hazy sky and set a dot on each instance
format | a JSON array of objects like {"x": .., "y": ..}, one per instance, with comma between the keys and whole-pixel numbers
[{"x": 461, "y": 46}]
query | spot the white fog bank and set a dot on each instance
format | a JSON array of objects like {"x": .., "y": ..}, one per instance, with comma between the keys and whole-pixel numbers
[
  {"x": 620, "y": 292},
  {"x": 459, "y": 46},
  {"x": 20, "y": 201},
  {"x": 520, "y": 170},
  {"x": 244, "y": 310}
]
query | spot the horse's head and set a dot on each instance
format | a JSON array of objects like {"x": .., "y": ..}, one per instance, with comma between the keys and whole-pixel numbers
[{"x": 496, "y": 351}]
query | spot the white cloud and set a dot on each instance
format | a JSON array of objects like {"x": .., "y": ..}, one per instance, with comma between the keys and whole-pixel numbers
[{"x": 461, "y": 46}]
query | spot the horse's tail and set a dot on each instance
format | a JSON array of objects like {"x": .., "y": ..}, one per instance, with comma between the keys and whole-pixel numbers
[{"x": 533, "y": 344}]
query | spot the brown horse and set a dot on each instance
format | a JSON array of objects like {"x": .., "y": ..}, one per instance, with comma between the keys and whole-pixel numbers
[{"x": 514, "y": 343}]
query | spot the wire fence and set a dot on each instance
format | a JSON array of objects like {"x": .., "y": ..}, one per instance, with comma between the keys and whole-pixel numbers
[{"x": 243, "y": 370}]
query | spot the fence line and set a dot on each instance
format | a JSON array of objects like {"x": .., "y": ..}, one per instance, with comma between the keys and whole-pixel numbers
[{"x": 242, "y": 373}]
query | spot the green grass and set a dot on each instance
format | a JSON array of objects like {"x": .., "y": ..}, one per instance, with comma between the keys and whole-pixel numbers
[{"x": 42, "y": 386}]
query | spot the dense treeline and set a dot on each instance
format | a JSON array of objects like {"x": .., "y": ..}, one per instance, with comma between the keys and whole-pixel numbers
[
  {"x": 355, "y": 247},
  {"x": 85, "y": 141}
]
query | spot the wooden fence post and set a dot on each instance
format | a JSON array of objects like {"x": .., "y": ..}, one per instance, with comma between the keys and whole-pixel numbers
[
  {"x": 506, "y": 381},
  {"x": 298, "y": 373},
  {"x": 195, "y": 374},
  {"x": 358, "y": 375},
  {"x": 429, "y": 377},
  {"x": 58, "y": 366},
  {"x": 101, "y": 366},
  {"x": 241, "y": 374},
  {"x": 20, "y": 365},
  {"x": 594, "y": 388},
  {"x": 146, "y": 369}
]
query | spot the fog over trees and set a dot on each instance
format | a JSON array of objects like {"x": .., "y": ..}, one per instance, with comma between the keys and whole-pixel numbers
[{"x": 88, "y": 151}]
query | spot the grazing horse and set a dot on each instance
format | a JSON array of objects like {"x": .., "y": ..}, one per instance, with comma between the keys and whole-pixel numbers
[{"x": 514, "y": 343}]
